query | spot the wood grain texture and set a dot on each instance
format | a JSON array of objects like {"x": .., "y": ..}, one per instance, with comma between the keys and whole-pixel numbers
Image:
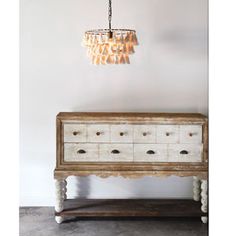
[
  {"x": 121, "y": 133},
  {"x": 130, "y": 208},
  {"x": 131, "y": 145},
  {"x": 196, "y": 188},
  {"x": 204, "y": 199},
  {"x": 116, "y": 152},
  {"x": 167, "y": 134},
  {"x": 81, "y": 152},
  {"x": 128, "y": 174},
  {"x": 126, "y": 169},
  {"x": 130, "y": 115},
  {"x": 60, "y": 187},
  {"x": 75, "y": 133},
  {"x": 193, "y": 153},
  {"x": 98, "y": 133},
  {"x": 158, "y": 153},
  {"x": 144, "y": 134},
  {"x": 190, "y": 134}
]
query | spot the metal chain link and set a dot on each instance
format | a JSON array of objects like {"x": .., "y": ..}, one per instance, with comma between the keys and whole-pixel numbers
[{"x": 109, "y": 14}]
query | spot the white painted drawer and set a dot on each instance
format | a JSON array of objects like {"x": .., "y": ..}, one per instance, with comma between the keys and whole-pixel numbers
[
  {"x": 74, "y": 152},
  {"x": 190, "y": 134},
  {"x": 98, "y": 133},
  {"x": 116, "y": 152},
  {"x": 185, "y": 152},
  {"x": 150, "y": 153},
  {"x": 74, "y": 133},
  {"x": 121, "y": 133},
  {"x": 144, "y": 133},
  {"x": 167, "y": 133}
]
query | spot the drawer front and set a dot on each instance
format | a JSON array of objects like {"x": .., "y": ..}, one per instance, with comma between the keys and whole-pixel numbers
[
  {"x": 74, "y": 152},
  {"x": 98, "y": 133},
  {"x": 167, "y": 133},
  {"x": 185, "y": 153},
  {"x": 150, "y": 153},
  {"x": 121, "y": 133},
  {"x": 190, "y": 134},
  {"x": 74, "y": 133},
  {"x": 116, "y": 152},
  {"x": 144, "y": 133}
]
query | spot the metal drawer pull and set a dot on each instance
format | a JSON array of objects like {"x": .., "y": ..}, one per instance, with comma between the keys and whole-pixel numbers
[
  {"x": 184, "y": 152},
  {"x": 191, "y": 134},
  {"x": 144, "y": 133},
  {"x": 115, "y": 151},
  {"x": 75, "y": 133},
  {"x": 167, "y": 134},
  {"x": 150, "y": 152},
  {"x": 98, "y": 133},
  {"x": 81, "y": 151},
  {"x": 122, "y": 133}
]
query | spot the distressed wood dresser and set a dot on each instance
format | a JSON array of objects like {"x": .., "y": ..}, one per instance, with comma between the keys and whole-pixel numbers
[{"x": 131, "y": 145}]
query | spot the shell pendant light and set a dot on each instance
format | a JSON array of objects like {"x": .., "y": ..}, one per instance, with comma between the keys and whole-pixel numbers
[{"x": 110, "y": 46}]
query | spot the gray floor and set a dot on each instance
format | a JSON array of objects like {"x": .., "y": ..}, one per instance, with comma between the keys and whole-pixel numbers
[{"x": 39, "y": 221}]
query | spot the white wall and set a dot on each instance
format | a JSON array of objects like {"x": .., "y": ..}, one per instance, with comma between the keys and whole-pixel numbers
[{"x": 168, "y": 73}]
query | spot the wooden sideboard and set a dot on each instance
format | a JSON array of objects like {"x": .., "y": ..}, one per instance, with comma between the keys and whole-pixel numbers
[{"x": 131, "y": 145}]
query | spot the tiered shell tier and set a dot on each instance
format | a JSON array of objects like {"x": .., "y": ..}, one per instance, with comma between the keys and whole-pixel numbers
[{"x": 106, "y": 48}]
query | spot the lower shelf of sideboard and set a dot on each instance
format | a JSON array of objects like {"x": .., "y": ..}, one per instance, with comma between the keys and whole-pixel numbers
[{"x": 131, "y": 208}]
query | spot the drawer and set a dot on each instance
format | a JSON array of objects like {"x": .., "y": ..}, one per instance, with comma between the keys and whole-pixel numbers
[
  {"x": 185, "y": 153},
  {"x": 167, "y": 133},
  {"x": 98, "y": 133},
  {"x": 190, "y": 133},
  {"x": 84, "y": 152},
  {"x": 150, "y": 152},
  {"x": 116, "y": 152},
  {"x": 121, "y": 133},
  {"x": 144, "y": 133},
  {"x": 74, "y": 133}
]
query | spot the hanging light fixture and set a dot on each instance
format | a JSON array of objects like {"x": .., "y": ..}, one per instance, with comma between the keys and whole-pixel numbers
[{"x": 110, "y": 46}]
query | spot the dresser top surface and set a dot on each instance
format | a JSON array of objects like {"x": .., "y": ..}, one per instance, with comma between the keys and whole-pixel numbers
[{"x": 130, "y": 115}]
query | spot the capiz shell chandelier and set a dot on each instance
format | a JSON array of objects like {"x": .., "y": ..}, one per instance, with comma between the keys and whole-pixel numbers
[{"x": 110, "y": 46}]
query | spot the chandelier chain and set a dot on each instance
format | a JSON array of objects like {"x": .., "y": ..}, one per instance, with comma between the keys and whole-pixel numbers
[{"x": 110, "y": 14}]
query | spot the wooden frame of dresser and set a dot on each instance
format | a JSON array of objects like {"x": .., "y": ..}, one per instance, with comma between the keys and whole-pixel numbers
[
  {"x": 131, "y": 170},
  {"x": 199, "y": 170}
]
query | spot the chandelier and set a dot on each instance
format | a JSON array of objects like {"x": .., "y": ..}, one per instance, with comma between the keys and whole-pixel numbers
[{"x": 110, "y": 46}]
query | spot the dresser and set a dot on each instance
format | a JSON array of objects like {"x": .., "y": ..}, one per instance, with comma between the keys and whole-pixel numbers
[{"x": 131, "y": 145}]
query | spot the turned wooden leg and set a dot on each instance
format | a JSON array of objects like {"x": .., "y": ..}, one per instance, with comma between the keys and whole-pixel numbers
[
  {"x": 204, "y": 199},
  {"x": 60, "y": 185},
  {"x": 196, "y": 188},
  {"x": 59, "y": 219},
  {"x": 65, "y": 189}
]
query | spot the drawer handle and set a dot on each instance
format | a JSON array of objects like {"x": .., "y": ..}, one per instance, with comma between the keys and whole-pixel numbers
[
  {"x": 75, "y": 133},
  {"x": 115, "y": 151},
  {"x": 150, "y": 152},
  {"x": 98, "y": 133},
  {"x": 144, "y": 133},
  {"x": 121, "y": 133},
  {"x": 191, "y": 134},
  {"x": 81, "y": 151},
  {"x": 167, "y": 134},
  {"x": 184, "y": 152}
]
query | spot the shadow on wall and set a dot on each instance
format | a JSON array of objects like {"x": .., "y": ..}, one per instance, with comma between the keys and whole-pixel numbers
[
  {"x": 186, "y": 42},
  {"x": 117, "y": 187},
  {"x": 118, "y": 104},
  {"x": 82, "y": 187}
]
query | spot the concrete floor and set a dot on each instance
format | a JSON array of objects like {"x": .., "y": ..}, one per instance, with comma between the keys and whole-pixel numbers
[{"x": 39, "y": 221}]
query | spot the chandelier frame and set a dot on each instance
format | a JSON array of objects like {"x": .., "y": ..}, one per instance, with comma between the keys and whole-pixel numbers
[{"x": 110, "y": 46}]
